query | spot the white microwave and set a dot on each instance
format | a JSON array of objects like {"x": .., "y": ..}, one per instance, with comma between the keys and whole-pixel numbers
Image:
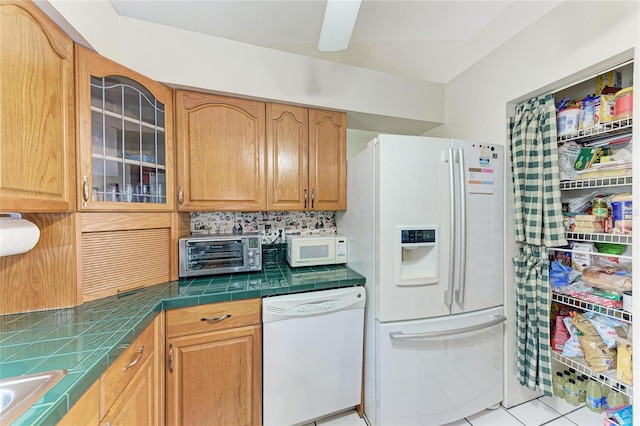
[{"x": 316, "y": 250}]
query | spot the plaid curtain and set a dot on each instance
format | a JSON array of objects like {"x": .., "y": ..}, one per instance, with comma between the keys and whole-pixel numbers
[
  {"x": 533, "y": 306},
  {"x": 536, "y": 178},
  {"x": 538, "y": 224}
]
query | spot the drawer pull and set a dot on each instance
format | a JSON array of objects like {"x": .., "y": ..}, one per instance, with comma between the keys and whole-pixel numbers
[
  {"x": 216, "y": 319},
  {"x": 135, "y": 361}
]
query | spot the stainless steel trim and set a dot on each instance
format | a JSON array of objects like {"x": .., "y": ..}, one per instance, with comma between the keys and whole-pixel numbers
[
  {"x": 399, "y": 335},
  {"x": 249, "y": 262}
]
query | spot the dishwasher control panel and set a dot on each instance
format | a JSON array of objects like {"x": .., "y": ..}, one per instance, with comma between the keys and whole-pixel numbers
[
  {"x": 317, "y": 308},
  {"x": 322, "y": 302}
]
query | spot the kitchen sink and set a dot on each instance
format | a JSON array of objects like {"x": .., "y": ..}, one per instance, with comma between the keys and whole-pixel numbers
[{"x": 19, "y": 393}]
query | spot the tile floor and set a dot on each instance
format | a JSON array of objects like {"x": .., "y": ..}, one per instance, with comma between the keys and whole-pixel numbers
[{"x": 542, "y": 411}]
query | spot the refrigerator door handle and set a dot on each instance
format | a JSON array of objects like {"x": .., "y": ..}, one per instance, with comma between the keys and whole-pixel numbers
[
  {"x": 462, "y": 253},
  {"x": 448, "y": 294},
  {"x": 399, "y": 335}
]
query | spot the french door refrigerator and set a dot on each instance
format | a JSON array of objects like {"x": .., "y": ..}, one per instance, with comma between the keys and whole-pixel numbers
[{"x": 425, "y": 226}]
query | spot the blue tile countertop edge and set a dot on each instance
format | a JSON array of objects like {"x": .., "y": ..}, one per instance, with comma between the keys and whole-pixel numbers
[{"x": 87, "y": 338}]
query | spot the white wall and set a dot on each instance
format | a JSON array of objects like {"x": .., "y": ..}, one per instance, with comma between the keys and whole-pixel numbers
[
  {"x": 575, "y": 41},
  {"x": 188, "y": 59},
  {"x": 554, "y": 51}
]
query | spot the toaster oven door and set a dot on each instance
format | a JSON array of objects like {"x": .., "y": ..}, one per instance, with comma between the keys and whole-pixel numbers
[{"x": 205, "y": 257}]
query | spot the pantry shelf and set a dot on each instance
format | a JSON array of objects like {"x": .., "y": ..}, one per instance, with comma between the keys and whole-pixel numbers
[
  {"x": 602, "y": 182},
  {"x": 599, "y": 237},
  {"x": 618, "y": 314},
  {"x": 607, "y": 377},
  {"x": 603, "y": 130}
]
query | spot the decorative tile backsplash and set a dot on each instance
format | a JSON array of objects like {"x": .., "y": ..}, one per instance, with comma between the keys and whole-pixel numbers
[{"x": 266, "y": 223}]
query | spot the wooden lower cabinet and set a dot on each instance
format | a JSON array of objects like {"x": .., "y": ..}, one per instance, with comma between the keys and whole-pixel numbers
[
  {"x": 135, "y": 406},
  {"x": 85, "y": 411},
  {"x": 215, "y": 377},
  {"x": 130, "y": 391},
  {"x": 131, "y": 388}
]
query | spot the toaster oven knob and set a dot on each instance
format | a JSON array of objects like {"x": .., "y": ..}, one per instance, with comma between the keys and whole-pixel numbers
[{"x": 250, "y": 254}]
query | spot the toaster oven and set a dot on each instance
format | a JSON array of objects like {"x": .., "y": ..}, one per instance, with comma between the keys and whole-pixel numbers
[{"x": 219, "y": 254}]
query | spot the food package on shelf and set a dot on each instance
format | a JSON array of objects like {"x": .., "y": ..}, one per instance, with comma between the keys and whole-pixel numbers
[
  {"x": 619, "y": 416},
  {"x": 560, "y": 333},
  {"x": 608, "y": 79},
  {"x": 587, "y": 223},
  {"x": 596, "y": 353},
  {"x": 571, "y": 347},
  {"x": 605, "y": 111},
  {"x": 586, "y": 157},
  {"x": 607, "y": 327},
  {"x": 567, "y": 156},
  {"x": 613, "y": 277},
  {"x": 583, "y": 259},
  {"x": 589, "y": 112},
  {"x": 622, "y": 213},
  {"x": 624, "y": 372}
]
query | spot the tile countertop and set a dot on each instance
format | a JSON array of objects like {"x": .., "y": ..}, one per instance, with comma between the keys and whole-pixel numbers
[{"x": 85, "y": 339}]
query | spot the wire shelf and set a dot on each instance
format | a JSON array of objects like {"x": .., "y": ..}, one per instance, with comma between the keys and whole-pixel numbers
[
  {"x": 601, "y": 182},
  {"x": 607, "y": 377},
  {"x": 603, "y": 130},
  {"x": 618, "y": 314},
  {"x": 599, "y": 238}
]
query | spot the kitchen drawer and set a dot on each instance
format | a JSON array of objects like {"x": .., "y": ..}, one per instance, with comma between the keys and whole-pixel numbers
[
  {"x": 119, "y": 374},
  {"x": 213, "y": 317}
]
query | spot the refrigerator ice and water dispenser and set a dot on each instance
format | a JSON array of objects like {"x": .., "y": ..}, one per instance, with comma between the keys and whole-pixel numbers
[{"x": 416, "y": 255}]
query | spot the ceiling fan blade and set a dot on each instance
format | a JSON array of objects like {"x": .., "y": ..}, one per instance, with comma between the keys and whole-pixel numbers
[{"x": 339, "y": 19}]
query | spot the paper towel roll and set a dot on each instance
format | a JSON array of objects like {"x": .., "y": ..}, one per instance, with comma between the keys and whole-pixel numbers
[{"x": 17, "y": 235}]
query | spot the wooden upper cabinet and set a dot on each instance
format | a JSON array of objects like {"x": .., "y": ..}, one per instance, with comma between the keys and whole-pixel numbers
[
  {"x": 36, "y": 111},
  {"x": 125, "y": 138},
  {"x": 221, "y": 153},
  {"x": 327, "y": 160},
  {"x": 306, "y": 159},
  {"x": 287, "y": 157}
]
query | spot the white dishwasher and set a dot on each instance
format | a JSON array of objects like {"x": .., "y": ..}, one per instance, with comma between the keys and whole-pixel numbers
[{"x": 312, "y": 354}]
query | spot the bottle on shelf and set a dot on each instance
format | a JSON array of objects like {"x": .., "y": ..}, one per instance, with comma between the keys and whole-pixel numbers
[
  {"x": 615, "y": 399},
  {"x": 572, "y": 392},
  {"x": 582, "y": 389},
  {"x": 558, "y": 385},
  {"x": 593, "y": 400}
]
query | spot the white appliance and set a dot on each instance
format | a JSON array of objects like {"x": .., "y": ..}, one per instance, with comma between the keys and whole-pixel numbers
[
  {"x": 425, "y": 226},
  {"x": 312, "y": 354},
  {"x": 316, "y": 250}
]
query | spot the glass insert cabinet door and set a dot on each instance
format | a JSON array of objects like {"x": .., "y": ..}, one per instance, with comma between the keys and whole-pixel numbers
[{"x": 125, "y": 142}]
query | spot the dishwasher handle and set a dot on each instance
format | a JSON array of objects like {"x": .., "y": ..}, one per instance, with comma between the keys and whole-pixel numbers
[{"x": 399, "y": 335}]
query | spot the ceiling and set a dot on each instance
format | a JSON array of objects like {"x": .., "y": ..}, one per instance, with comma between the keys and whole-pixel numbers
[{"x": 421, "y": 39}]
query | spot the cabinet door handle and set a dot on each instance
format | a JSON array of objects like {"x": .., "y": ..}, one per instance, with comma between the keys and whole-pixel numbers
[
  {"x": 85, "y": 191},
  {"x": 305, "y": 198},
  {"x": 313, "y": 198},
  {"x": 171, "y": 357},
  {"x": 135, "y": 361},
  {"x": 181, "y": 195},
  {"x": 216, "y": 319}
]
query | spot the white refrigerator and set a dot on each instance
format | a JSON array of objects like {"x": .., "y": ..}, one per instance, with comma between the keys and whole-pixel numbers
[{"x": 425, "y": 223}]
